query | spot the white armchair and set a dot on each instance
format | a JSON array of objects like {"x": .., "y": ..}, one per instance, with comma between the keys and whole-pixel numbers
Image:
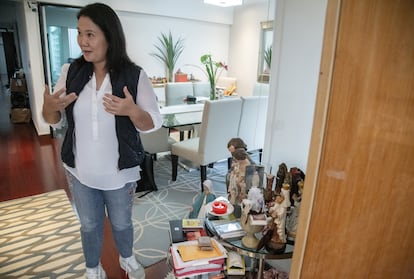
[
  {"x": 219, "y": 124},
  {"x": 252, "y": 126}
]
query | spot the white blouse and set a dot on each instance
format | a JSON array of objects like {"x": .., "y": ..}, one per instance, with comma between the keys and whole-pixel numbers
[{"x": 96, "y": 153}]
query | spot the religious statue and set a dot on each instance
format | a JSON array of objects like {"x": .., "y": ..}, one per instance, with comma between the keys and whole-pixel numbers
[
  {"x": 296, "y": 176},
  {"x": 277, "y": 232},
  {"x": 232, "y": 146},
  {"x": 237, "y": 186},
  {"x": 198, "y": 209},
  {"x": 280, "y": 177},
  {"x": 268, "y": 195},
  {"x": 277, "y": 243},
  {"x": 293, "y": 215},
  {"x": 252, "y": 206},
  {"x": 236, "y": 143}
]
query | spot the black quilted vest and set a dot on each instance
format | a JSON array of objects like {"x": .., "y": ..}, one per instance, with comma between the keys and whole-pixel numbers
[{"x": 131, "y": 152}]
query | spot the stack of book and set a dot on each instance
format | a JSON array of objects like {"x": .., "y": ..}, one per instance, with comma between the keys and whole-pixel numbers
[
  {"x": 189, "y": 260},
  {"x": 193, "y": 228},
  {"x": 226, "y": 229},
  {"x": 192, "y": 224},
  {"x": 186, "y": 229},
  {"x": 259, "y": 219}
]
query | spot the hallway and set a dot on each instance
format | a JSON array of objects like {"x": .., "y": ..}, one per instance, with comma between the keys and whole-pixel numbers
[{"x": 29, "y": 163}]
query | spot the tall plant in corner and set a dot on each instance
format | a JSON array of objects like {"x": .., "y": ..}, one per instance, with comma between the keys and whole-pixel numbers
[{"x": 168, "y": 52}]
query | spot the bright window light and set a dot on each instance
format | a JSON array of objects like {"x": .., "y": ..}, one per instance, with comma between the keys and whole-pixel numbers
[{"x": 224, "y": 3}]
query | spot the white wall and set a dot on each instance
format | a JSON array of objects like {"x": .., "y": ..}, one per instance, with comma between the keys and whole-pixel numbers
[
  {"x": 245, "y": 43},
  {"x": 200, "y": 37},
  {"x": 295, "y": 72},
  {"x": 205, "y": 28}
]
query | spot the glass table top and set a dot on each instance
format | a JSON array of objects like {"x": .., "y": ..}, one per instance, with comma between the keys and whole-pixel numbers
[
  {"x": 182, "y": 115},
  {"x": 236, "y": 244}
]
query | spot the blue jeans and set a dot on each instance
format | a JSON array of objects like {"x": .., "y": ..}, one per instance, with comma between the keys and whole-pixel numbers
[{"x": 90, "y": 204}]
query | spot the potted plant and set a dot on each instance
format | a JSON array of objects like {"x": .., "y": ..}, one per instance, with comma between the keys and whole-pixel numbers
[
  {"x": 168, "y": 52},
  {"x": 268, "y": 57},
  {"x": 213, "y": 72}
]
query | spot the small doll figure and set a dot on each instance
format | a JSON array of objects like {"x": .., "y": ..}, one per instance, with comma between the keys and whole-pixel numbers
[{"x": 199, "y": 207}]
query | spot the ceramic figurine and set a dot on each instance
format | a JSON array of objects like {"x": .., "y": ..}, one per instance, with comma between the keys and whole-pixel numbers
[
  {"x": 255, "y": 195},
  {"x": 285, "y": 191},
  {"x": 249, "y": 240},
  {"x": 237, "y": 186},
  {"x": 233, "y": 145},
  {"x": 292, "y": 218},
  {"x": 297, "y": 175},
  {"x": 198, "y": 209},
  {"x": 268, "y": 195},
  {"x": 280, "y": 177},
  {"x": 236, "y": 143},
  {"x": 277, "y": 243}
]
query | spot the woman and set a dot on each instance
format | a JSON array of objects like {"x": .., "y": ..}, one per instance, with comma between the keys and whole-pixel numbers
[{"x": 106, "y": 101}]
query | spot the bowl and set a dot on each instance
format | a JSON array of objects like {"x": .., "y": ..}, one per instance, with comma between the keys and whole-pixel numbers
[{"x": 219, "y": 207}]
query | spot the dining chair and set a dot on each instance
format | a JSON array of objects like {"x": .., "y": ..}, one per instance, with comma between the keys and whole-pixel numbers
[
  {"x": 157, "y": 141},
  {"x": 175, "y": 93},
  {"x": 219, "y": 124},
  {"x": 201, "y": 89},
  {"x": 252, "y": 125},
  {"x": 154, "y": 142},
  {"x": 261, "y": 89}
]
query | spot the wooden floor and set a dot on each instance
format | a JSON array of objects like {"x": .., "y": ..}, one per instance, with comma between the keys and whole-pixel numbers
[{"x": 30, "y": 165}]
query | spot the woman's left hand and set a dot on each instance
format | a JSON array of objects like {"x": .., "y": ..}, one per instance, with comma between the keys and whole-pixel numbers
[{"x": 119, "y": 106}]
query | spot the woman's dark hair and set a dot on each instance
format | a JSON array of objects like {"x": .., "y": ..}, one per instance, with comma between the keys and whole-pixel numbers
[{"x": 108, "y": 21}]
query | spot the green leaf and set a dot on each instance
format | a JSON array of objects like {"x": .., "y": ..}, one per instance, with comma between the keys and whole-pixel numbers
[{"x": 168, "y": 51}]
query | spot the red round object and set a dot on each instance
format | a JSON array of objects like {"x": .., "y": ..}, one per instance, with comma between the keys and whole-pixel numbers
[{"x": 219, "y": 207}]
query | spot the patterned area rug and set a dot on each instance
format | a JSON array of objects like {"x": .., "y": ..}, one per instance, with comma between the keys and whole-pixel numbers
[
  {"x": 39, "y": 238},
  {"x": 173, "y": 200}
]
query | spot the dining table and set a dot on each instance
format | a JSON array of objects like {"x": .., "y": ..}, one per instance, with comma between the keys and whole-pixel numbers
[{"x": 182, "y": 115}]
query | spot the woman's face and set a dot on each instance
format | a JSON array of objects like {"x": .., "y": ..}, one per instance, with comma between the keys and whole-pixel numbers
[{"x": 92, "y": 41}]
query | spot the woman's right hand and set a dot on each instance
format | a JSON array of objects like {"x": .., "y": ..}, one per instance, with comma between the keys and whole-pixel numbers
[{"x": 54, "y": 103}]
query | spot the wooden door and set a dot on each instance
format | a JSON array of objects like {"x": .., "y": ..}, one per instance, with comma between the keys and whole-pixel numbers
[{"x": 357, "y": 219}]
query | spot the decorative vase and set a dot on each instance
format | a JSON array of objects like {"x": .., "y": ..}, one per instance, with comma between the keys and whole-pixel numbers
[{"x": 212, "y": 90}]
